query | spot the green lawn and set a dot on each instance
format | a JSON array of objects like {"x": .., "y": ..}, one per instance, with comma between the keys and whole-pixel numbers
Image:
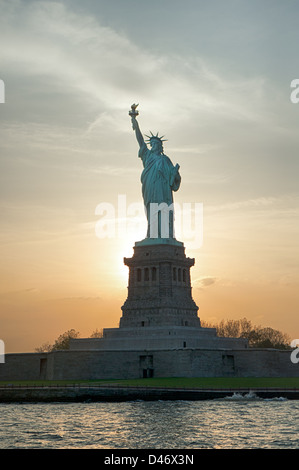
[
  {"x": 215, "y": 382},
  {"x": 178, "y": 382}
]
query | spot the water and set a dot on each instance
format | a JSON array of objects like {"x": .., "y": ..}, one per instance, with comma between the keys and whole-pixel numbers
[{"x": 232, "y": 423}]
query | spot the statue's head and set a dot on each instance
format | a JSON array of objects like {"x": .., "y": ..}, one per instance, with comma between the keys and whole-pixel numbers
[{"x": 156, "y": 142}]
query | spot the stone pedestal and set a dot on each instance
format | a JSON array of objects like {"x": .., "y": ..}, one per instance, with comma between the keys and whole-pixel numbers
[{"x": 159, "y": 288}]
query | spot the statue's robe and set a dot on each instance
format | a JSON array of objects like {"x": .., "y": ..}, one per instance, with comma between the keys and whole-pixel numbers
[{"x": 159, "y": 179}]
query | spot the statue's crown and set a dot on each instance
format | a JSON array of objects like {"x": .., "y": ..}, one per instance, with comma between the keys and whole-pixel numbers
[{"x": 155, "y": 137}]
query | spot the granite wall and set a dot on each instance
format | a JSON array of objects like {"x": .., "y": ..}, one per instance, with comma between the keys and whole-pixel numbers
[{"x": 90, "y": 365}]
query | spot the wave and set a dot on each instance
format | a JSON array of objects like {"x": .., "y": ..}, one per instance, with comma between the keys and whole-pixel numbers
[
  {"x": 252, "y": 396},
  {"x": 240, "y": 396},
  {"x": 276, "y": 399}
]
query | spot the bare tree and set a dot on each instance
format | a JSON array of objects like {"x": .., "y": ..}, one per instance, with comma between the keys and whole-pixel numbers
[
  {"x": 97, "y": 334},
  {"x": 258, "y": 337},
  {"x": 46, "y": 347},
  {"x": 62, "y": 342}
]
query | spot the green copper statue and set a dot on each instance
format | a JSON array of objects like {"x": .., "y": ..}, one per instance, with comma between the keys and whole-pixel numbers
[{"x": 159, "y": 179}]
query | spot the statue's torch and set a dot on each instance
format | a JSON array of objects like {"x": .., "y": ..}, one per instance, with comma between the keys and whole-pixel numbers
[{"x": 133, "y": 113}]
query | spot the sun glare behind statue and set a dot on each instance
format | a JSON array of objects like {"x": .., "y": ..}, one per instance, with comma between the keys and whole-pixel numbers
[{"x": 135, "y": 230}]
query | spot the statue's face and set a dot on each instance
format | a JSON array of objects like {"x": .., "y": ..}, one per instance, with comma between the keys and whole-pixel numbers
[{"x": 157, "y": 146}]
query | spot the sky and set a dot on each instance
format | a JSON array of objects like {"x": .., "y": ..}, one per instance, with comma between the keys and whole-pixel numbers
[{"x": 214, "y": 78}]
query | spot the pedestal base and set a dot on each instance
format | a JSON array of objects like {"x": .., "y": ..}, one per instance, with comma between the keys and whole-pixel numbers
[
  {"x": 159, "y": 290},
  {"x": 157, "y": 338}
]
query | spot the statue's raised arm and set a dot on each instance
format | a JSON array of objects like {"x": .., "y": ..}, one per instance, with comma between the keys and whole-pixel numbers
[{"x": 133, "y": 113}]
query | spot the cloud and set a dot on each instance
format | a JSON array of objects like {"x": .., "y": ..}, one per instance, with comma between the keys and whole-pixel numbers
[
  {"x": 257, "y": 203},
  {"x": 66, "y": 53},
  {"x": 70, "y": 82},
  {"x": 75, "y": 299},
  {"x": 30, "y": 290},
  {"x": 282, "y": 210},
  {"x": 204, "y": 282},
  {"x": 74, "y": 78}
]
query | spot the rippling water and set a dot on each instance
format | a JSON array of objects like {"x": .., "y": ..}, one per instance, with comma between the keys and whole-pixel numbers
[{"x": 231, "y": 423}]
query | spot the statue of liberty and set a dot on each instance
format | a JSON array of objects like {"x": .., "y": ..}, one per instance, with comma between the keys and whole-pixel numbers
[{"x": 159, "y": 179}]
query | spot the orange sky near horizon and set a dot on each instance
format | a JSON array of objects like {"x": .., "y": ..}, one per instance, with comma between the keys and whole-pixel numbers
[{"x": 82, "y": 285}]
